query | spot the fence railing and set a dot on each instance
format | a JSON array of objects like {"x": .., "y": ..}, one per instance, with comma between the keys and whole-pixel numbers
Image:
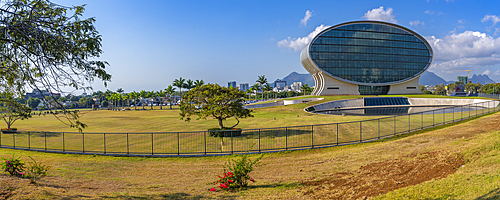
[{"x": 253, "y": 140}]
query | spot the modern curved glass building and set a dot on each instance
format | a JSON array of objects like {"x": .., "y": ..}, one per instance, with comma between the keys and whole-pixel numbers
[{"x": 367, "y": 57}]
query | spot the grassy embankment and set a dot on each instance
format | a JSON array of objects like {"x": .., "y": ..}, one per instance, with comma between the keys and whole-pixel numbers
[{"x": 280, "y": 174}]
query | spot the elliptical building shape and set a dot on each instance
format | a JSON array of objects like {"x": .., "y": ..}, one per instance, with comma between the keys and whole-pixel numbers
[{"x": 368, "y": 58}]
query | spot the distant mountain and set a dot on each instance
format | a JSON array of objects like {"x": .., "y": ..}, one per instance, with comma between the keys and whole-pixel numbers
[
  {"x": 429, "y": 78},
  {"x": 481, "y": 78},
  {"x": 296, "y": 77}
]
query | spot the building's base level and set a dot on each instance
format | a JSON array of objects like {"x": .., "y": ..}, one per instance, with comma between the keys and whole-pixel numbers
[{"x": 325, "y": 85}]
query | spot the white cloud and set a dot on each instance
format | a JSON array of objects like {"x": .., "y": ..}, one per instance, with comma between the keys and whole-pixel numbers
[
  {"x": 416, "y": 23},
  {"x": 429, "y": 12},
  {"x": 493, "y": 18},
  {"x": 381, "y": 15},
  {"x": 306, "y": 18},
  {"x": 468, "y": 44},
  {"x": 487, "y": 72},
  {"x": 298, "y": 44},
  {"x": 468, "y": 50},
  {"x": 497, "y": 73},
  {"x": 461, "y": 21}
]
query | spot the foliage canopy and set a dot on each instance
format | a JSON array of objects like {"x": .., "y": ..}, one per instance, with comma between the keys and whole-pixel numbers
[
  {"x": 212, "y": 100},
  {"x": 45, "y": 46}
]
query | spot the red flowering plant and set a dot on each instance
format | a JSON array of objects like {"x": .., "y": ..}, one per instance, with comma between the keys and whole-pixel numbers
[{"x": 236, "y": 176}]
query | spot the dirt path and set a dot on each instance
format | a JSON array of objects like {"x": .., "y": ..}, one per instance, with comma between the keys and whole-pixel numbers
[{"x": 381, "y": 177}]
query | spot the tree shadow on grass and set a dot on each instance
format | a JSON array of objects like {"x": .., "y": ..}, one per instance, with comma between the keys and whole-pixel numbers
[{"x": 493, "y": 194}]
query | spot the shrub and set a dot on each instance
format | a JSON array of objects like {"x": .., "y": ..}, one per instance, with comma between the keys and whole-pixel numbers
[
  {"x": 14, "y": 166},
  {"x": 236, "y": 176},
  {"x": 226, "y": 132},
  {"x": 36, "y": 170}
]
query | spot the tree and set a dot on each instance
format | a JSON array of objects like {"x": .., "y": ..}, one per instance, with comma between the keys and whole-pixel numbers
[
  {"x": 189, "y": 84},
  {"x": 214, "y": 101},
  {"x": 45, "y": 46},
  {"x": 170, "y": 90},
  {"x": 267, "y": 88},
  {"x": 306, "y": 89},
  {"x": 262, "y": 80},
  {"x": 151, "y": 95},
  {"x": 143, "y": 94},
  {"x": 119, "y": 90},
  {"x": 180, "y": 84},
  {"x": 11, "y": 110},
  {"x": 134, "y": 95},
  {"x": 33, "y": 102},
  {"x": 440, "y": 90},
  {"x": 160, "y": 94},
  {"x": 255, "y": 88},
  {"x": 199, "y": 83}
]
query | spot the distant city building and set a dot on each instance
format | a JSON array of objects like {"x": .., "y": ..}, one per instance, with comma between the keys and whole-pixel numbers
[
  {"x": 231, "y": 83},
  {"x": 280, "y": 84},
  {"x": 463, "y": 79},
  {"x": 296, "y": 86},
  {"x": 40, "y": 94},
  {"x": 244, "y": 87}
]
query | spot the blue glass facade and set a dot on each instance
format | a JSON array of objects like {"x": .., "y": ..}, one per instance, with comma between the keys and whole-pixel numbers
[{"x": 367, "y": 53}]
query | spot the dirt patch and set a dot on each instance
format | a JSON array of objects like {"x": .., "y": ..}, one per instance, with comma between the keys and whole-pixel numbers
[{"x": 382, "y": 177}]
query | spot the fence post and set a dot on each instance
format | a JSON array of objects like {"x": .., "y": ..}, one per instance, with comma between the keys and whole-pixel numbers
[
  {"x": 232, "y": 142},
  {"x": 83, "y": 142},
  {"x": 259, "y": 139},
  {"x": 104, "y": 141},
  {"x": 64, "y": 146},
  {"x": 476, "y": 109},
  {"x": 179, "y": 144},
  {"x": 337, "y": 134},
  {"x": 286, "y": 138},
  {"x": 14, "y": 139},
  {"x": 469, "y": 111},
  {"x": 312, "y": 135},
  {"x": 360, "y": 131},
  {"x": 461, "y": 112},
  {"x": 433, "y": 119},
  {"x": 443, "y": 116},
  {"x": 378, "y": 128},
  {"x": 205, "y": 139},
  {"x": 29, "y": 140},
  {"x": 127, "y": 145},
  {"x": 152, "y": 145},
  {"x": 453, "y": 113},
  {"x": 394, "y": 125},
  {"x": 422, "y": 120},
  {"x": 409, "y": 126},
  {"x": 45, "y": 141}
]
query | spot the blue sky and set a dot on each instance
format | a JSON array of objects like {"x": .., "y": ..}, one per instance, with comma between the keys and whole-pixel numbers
[{"x": 150, "y": 43}]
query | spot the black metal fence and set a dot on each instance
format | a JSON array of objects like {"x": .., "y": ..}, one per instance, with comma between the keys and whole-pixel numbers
[{"x": 254, "y": 140}]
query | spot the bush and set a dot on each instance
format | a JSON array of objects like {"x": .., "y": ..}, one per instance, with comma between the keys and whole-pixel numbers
[
  {"x": 226, "y": 132},
  {"x": 236, "y": 176},
  {"x": 14, "y": 166},
  {"x": 36, "y": 170}
]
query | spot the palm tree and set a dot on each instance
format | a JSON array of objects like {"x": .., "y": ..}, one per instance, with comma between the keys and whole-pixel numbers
[
  {"x": 143, "y": 94},
  {"x": 127, "y": 97},
  {"x": 199, "y": 83},
  {"x": 267, "y": 88},
  {"x": 151, "y": 95},
  {"x": 189, "y": 85},
  {"x": 262, "y": 80},
  {"x": 255, "y": 87},
  {"x": 170, "y": 90},
  {"x": 134, "y": 96},
  {"x": 160, "y": 94},
  {"x": 180, "y": 84},
  {"x": 304, "y": 88}
]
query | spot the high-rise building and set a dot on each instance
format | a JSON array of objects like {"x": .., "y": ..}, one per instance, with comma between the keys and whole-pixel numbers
[
  {"x": 244, "y": 87},
  {"x": 280, "y": 84},
  {"x": 368, "y": 58},
  {"x": 463, "y": 79},
  {"x": 231, "y": 84}
]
